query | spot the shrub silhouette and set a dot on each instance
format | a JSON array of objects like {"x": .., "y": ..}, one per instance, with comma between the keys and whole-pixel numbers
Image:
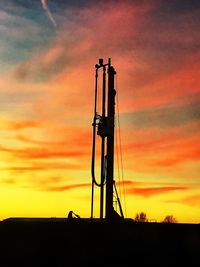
[
  {"x": 169, "y": 219},
  {"x": 141, "y": 217}
]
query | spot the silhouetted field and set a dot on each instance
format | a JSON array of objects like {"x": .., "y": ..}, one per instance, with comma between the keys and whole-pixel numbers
[{"x": 59, "y": 242}]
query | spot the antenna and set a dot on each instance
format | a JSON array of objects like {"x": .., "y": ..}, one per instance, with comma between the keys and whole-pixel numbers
[{"x": 103, "y": 126}]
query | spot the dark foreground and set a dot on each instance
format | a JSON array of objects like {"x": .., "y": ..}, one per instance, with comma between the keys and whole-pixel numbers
[{"x": 59, "y": 242}]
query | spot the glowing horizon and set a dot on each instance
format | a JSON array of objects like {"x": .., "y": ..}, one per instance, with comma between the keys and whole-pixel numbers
[{"x": 48, "y": 52}]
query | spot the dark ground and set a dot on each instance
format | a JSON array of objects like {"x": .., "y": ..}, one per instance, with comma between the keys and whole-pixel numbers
[{"x": 81, "y": 242}]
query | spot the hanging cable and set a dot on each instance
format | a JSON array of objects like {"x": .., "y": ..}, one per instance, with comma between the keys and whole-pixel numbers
[
  {"x": 117, "y": 158},
  {"x": 118, "y": 201},
  {"x": 94, "y": 142},
  {"x": 94, "y": 124},
  {"x": 120, "y": 148}
]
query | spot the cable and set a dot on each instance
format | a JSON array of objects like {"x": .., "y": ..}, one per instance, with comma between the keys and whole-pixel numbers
[{"x": 120, "y": 148}]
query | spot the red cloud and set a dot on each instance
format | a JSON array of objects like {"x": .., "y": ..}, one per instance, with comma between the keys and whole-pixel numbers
[
  {"x": 45, "y": 153},
  {"x": 192, "y": 200},
  {"x": 43, "y": 167},
  {"x": 162, "y": 148},
  {"x": 60, "y": 136},
  {"x": 149, "y": 191},
  {"x": 19, "y": 125},
  {"x": 39, "y": 153},
  {"x": 66, "y": 187},
  {"x": 180, "y": 155},
  {"x": 168, "y": 89}
]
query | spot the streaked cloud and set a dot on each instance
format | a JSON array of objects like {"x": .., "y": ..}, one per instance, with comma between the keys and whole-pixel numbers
[
  {"x": 43, "y": 166},
  {"x": 14, "y": 125},
  {"x": 48, "y": 12},
  {"x": 170, "y": 116},
  {"x": 192, "y": 200},
  {"x": 43, "y": 153},
  {"x": 66, "y": 187},
  {"x": 148, "y": 192}
]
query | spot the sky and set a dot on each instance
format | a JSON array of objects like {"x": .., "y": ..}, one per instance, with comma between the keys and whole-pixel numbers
[{"x": 48, "y": 50}]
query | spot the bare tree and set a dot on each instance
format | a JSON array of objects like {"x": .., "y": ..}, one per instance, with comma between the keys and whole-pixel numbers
[
  {"x": 141, "y": 217},
  {"x": 169, "y": 219}
]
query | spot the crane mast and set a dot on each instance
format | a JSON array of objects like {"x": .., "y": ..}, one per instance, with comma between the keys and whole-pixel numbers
[{"x": 103, "y": 126}]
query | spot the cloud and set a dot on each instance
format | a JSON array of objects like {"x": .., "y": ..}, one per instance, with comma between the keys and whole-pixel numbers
[
  {"x": 66, "y": 187},
  {"x": 186, "y": 155},
  {"x": 47, "y": 136},
  {"x": 48, "y": 12},
  {"x": 150, "y": 191},
  {"x": 168, "y": 116},
  {"x": 58, "y": 135},
  {"x": 77, "y": 42},
  {"x": 163, "y": 150},
  {"x": 44, "y": 166},
  {"x": 16, "y": 27},
  {"x": 44, "y": 153},
  {"x": 192, "y": 200},
  {"x": 9, "y": 181},
  {"x": 19, "y": 125}
]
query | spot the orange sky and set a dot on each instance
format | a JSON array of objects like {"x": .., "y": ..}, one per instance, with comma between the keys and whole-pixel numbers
[{"x": 48, "y": 53}]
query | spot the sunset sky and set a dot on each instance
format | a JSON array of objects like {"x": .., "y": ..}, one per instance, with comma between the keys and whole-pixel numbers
[{"x": 48, "y": 50}]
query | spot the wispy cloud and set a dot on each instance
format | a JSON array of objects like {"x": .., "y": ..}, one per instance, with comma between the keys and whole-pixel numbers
[
  {"x": 66, "y": 187},
  {"x": 48, "y": 12},
  {"x": 44, "y": 153},
  {"x": 18, "y": 125},
  {"x": 150, "y": 191},
  {"x": 172, "y": 115},
  {"x": 43, "y": 166},
  {"x": 192, "y": 200}
]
